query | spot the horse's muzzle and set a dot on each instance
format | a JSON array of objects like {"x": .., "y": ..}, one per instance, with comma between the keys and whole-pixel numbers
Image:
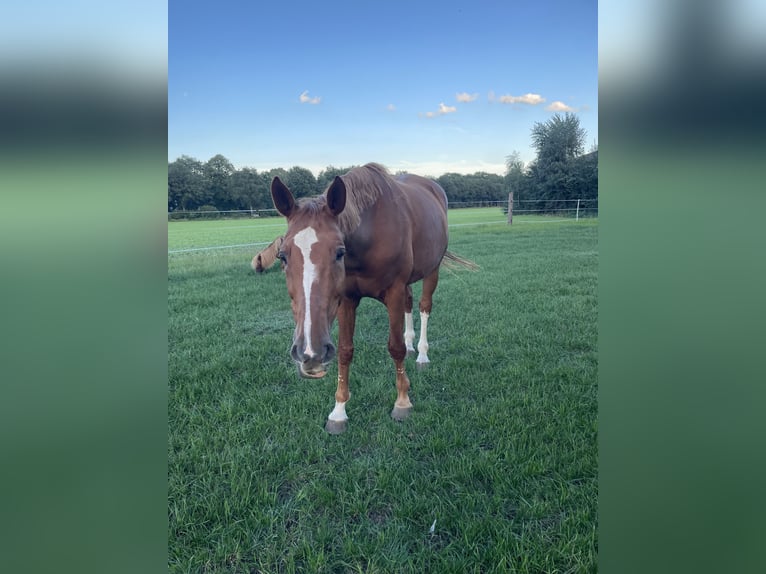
[{"x": 313, "y": 366}]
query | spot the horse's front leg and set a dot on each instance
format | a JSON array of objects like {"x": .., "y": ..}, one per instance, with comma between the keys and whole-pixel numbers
[
  {"x": 337, "y": 420},
  {"x": 395, "y": 302}
]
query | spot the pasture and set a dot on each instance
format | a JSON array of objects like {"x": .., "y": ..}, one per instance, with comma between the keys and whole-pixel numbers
[{"x": 500, "y": 452}]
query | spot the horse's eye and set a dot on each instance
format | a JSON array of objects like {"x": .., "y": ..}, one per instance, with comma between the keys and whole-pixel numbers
[
  {"x": 340, "y": 253},
  {"x": 281, "y": 256}
]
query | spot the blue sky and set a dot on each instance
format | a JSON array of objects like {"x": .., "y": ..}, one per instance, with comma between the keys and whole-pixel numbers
[{"x": 422, "y": 86}]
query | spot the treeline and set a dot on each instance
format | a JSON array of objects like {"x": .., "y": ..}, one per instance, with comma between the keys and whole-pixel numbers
[
  {"x": 560, "y": 171},
  {"x": 216, "y": 185}
]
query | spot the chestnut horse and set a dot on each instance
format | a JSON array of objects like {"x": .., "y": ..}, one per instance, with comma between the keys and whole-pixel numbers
[
  {"x": 369, "y": 235},
  {"x": 266, "y": 257}
]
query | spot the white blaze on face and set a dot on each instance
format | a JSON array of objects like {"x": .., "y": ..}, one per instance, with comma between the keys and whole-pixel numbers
[{"x": 304, "y": 239}]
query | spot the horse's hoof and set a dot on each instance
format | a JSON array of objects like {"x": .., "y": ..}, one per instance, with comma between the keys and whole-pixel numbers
[
  {"x": 400, "y": 414},
  {"x": 335, "y": 427},
  {"x": 421, "y": 365},
  {"x": 410, "y": 353}
]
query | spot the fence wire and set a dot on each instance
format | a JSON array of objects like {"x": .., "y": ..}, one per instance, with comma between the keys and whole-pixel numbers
[{"x": 586, "y": 206}]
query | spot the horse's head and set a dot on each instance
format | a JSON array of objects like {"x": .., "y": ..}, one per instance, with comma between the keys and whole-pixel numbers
[{"x": 312, "y": 254}]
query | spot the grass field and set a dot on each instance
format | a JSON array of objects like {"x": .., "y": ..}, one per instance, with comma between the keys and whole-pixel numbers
[{"x": 500, "y": 451}]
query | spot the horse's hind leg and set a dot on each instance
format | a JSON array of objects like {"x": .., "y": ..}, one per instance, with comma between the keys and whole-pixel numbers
[
  {"x": 394, "y": 300},
  {"x": 426, "y": 301},
  {"x": 409, "y": 327}
]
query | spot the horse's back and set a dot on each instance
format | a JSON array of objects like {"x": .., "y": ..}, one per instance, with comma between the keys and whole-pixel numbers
[
  {"x": 423, "y": 188},
  {"x": 427, "y": 204}
]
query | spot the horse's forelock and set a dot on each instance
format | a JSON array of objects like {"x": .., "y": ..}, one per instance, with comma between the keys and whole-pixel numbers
[{"x": 312, "y": 205}]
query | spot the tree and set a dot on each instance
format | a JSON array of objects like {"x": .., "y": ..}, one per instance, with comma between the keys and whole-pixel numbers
[
  {"x": 486, "y": 187},
  {"x": 454, "y": 185},
  {"x": 327, "y": 175},
  {"x": 560, "y": 139},
  {"x": 301, "y": 182},
  {"x": 218, "y": 172},
  {"x": 279, "y": 172},
  {"x": 186, "y": 184},
  {"x": 473, "y": 188},
  {"x": 514, "y": 173},
  {"x": 585, "y": 176},
  {"x": 514, "y": 163},
  {"x": 552, "y": 176},
  {"x": 250, "y": 189}
]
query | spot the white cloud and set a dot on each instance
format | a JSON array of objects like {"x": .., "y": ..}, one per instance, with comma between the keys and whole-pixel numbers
[
  {"x": 443, "y": 109},
  {"x": 305, "y": 99},
  {"x": 559, "y": 107},
  {"x": 531, "y": 99},
  {"x": 465, "y": 97},
  {"x": 391, "y": 107}
]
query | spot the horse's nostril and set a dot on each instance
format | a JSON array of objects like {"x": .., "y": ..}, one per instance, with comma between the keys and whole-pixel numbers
[{"x": 324, "y": 354}]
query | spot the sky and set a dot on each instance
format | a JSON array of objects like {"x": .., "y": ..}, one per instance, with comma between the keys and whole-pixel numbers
[{"x": 419, "y": 86}]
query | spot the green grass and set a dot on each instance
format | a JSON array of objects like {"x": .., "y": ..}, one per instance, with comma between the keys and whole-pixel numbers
[
  {"x": 500, "y": 450},
  {"x": 183, "y": 235}
]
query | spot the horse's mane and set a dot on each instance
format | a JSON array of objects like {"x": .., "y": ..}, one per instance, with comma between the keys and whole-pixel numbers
[{"x": 364, "y": 185}]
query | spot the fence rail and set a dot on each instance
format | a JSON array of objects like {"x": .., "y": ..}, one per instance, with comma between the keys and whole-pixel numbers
[{"x": 222, "y": 214}]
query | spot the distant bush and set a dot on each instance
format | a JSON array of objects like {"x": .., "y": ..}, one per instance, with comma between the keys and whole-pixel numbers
[{"x": 206, "y": 212}]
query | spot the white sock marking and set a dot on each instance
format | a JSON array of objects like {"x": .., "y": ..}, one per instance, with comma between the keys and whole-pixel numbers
[
  {"x": 338, "y": 414},
  {"x": 409, "y": 331},
  {"x": 423, "y": 343},
  {"x": 304, "y": 239}
]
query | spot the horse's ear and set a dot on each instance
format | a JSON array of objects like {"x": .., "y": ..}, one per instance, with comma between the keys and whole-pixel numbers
[
  {"x": 282, "y": 198},
  {"x": 336, "y": 196}
]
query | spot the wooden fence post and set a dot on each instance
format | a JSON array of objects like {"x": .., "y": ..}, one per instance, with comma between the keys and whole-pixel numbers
[{"x": 510, "y": 208}]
